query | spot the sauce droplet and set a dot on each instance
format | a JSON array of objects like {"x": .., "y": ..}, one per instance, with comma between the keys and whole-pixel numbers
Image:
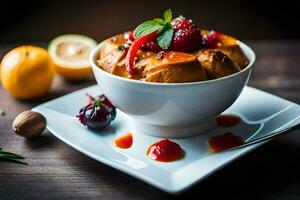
[
  {"x": 124, "y": 141},
  {"x": 222, "y": 142},
  {"x": 228, "y": 120},
  {"x": 165, "y": 151}
]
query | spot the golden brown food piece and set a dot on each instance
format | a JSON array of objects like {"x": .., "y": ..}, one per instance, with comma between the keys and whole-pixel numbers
[
  {"x": 174, "y": 67},
  {"x": 187, "y": 72},
  {"x": 114, "y": 62},
  {"x": 110, "y": 54},
  {"x": 171, "y": 67},
  {"x": 110, "y": 60},
  {"x": 216, "y": 63},
  {"x": 142, "y": 60},
  {"x": 110, "y": 44},
  {"x": 230, "y": 47},
  {"x": 235, "y": 53}
]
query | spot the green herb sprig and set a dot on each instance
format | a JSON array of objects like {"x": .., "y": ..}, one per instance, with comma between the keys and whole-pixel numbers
[
  {"x": 11, "y": 157},
  {"x": 163, "y": 26}
]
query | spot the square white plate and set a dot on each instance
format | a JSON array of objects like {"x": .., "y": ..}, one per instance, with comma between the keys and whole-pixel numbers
[{"x": 261, "y": 112}]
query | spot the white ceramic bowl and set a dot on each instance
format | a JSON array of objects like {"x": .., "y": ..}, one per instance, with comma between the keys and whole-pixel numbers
[{"x": 172, "y": 110}]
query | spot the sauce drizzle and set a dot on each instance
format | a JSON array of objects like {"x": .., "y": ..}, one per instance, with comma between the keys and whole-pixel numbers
[
  {"x": 165, "y": 151},
  {"x": 222, "y": 142},
  {"x": 228, "y": 120},
  {"x": 124, "y": 141}
]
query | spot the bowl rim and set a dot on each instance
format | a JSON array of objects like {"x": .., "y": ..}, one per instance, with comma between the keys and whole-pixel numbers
[{"x": 95, "y": 52}]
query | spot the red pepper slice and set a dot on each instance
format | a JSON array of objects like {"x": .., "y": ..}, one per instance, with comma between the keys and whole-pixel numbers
[{"x": 135, "y": 46}]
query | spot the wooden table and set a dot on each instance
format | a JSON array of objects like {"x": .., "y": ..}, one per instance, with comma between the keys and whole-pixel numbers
[{"x": 56, "y": 171}]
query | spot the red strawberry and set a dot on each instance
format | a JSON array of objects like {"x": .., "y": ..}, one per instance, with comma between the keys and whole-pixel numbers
[
  {"x": 182, "y": 23},
  {"x": 186, "y": 37}
]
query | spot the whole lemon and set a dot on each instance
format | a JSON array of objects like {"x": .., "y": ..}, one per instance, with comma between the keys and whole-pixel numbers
[{"x": 27, "y": 72}]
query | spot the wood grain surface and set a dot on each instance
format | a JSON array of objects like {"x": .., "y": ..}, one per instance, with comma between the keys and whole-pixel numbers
[{"x": 56, "y": 171}]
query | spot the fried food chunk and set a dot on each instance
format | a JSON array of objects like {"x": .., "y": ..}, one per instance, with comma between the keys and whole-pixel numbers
[
  {"x": 111, "y": 44},
  {"x": 142, "y": 60},
  {"x": 115, "y": 63},
  {"x": 227, "y": 45},
  {"x": 216, "y": 63},
  {"x": 174, "y": 67},
  {"x": 110, "y": 60},
  {"x": 235, "y": 53},
  {"x": 110, "y": 53}
]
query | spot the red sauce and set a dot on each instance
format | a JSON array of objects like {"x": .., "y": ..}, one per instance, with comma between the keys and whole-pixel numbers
[
  {"x": 165, "y": 151},
  {"x": 228, "y": 120},
  {"x": 222, "y": 142},
  {"x": 124, "y": 141}
]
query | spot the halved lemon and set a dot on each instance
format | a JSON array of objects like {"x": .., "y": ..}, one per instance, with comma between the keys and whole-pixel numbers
[{"x": 70, "y": 55}]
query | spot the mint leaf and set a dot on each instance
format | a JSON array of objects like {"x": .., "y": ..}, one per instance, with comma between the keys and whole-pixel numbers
[
  {"x": 165, "y": 36},
  {"x": 159, "y": 21},
  {"x": 163, "y": 26},
  {"x": 146, "y": 28},
  {"x": 167, "y": 15}
]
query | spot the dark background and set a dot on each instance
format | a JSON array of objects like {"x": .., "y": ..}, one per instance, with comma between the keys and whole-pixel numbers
[{"x": 39, "y": 21}]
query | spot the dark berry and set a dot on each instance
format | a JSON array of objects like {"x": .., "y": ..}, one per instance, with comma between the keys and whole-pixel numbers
[
  {"x": 97, "y": 118},
  {"x": 98, "y": 113}
]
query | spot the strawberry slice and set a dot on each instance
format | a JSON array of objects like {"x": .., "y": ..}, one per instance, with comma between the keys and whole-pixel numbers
[{"x": 135, "y": 46}]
